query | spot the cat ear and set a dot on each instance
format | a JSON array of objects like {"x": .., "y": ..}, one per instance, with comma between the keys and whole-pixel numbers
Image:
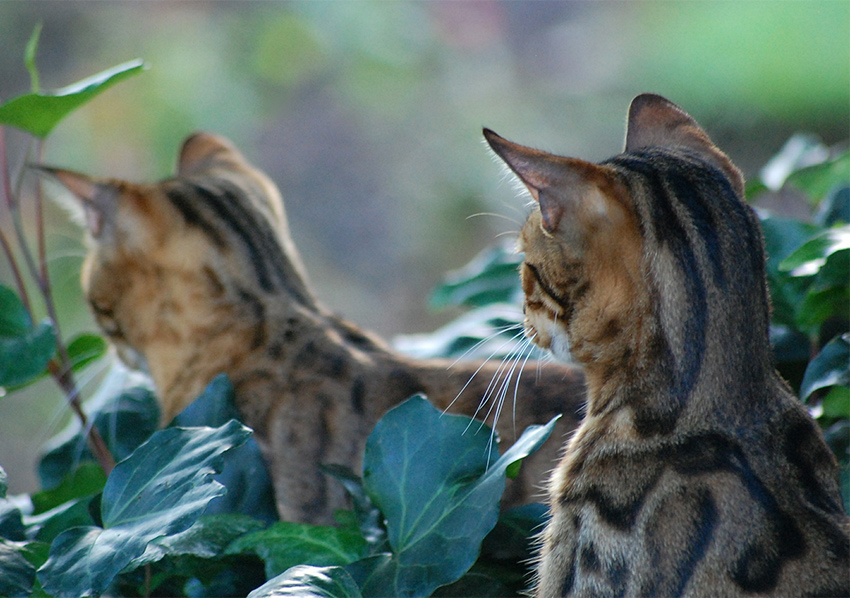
[
  {"x": 97, "y": 198},
  {"x": 559, "y": 185},
  {"x": 655, "y": 121},
  {"x": 198, "y": 150}
]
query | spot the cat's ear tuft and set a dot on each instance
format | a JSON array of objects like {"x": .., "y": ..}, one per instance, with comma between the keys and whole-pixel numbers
[
  {"x": 198, "y": 151},
  {"x": 654, "y": 121},
  {"x": 97, "y": 198}
]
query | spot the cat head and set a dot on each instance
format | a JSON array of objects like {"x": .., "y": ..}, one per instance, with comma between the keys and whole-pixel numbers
[
  {"x": 164, "y": 257},
  {"x": 639, "y": 241}
]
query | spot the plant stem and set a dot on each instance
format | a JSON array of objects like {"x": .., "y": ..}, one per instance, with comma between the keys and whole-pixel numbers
[
  {"x": 59, "y": 367},
  {"x": 7, "y": 248}
]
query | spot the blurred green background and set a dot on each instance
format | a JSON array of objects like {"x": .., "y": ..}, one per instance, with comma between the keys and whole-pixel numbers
[{"x": 368, "y": 115}]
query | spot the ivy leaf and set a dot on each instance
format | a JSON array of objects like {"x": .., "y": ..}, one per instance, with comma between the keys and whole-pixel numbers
[
  {"x": 437, "y": 479},
  {"x": 285, "y": 545},
  {"x": 159, "y": 490},
  {"x": 312, "y": 582},
  {"x": 25, "y": 350},
  {"x": 17, "y": 574},
  {"x": 39, "y": 112}
]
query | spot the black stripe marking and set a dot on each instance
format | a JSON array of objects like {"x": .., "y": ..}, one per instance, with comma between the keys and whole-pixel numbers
[
  {"x": 193, "y": 217},
  {"x": 558, "y": 298}
]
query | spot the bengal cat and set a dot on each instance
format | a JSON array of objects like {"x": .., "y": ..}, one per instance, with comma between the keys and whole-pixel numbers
[
  {"x": 695, "y": 471},
  {"x": 197, "y": 275}
]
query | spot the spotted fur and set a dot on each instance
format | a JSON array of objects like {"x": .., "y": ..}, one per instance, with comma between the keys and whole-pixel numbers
[{"x": 696, "y": 472}]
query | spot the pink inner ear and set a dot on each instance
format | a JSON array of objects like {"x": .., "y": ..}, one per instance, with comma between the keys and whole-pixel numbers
[{"x": 551, "y": 213}]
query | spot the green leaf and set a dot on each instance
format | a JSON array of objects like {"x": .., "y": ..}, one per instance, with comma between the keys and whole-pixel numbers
[
  {"x": 85, "y": 349},
  {"x": 818, "y": 180},
  {"x": 438, "y": 479},
  {"x": 489, "y": 278},
  {"x": 284, "y": 545},
  {"x": 17, "y": 574},
  {"x": 88, "y": 479},
  {"x": 830, "y": 367},
  {"x": 811, "y": 256},
  {"x": 312, "y": 582},
  {"x": 159, "y": 490},
  {"x": 836, "y": 404},
  {"x": 39, "y": 112},
  {"x": 4, "y": 482}
]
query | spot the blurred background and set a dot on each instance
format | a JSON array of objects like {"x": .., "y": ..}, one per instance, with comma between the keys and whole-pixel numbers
[{"x": 368, "y": 115}]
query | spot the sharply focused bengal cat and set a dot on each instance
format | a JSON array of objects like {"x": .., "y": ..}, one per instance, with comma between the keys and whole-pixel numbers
[
  {"x": 197, "y": 275},
  {"x": 695, "y": 471}
]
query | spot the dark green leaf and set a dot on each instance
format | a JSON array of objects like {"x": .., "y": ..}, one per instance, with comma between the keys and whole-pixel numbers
[
  {"x": 437, "y": 479},
  {"x": 16, "y": 573},
  {"x": 14, "y": 319},
  {"x": 4, "y": 482},
  {"x": 159, "y": 490},
  {"x": 310, "y": 582},
  {"x": 24, "y": 358},
  {"x": 11, "y": 522},
  {"x": 836, "y": 404},
  {"x": 39, "y": 112},
  {"x": 250, "y": 489},
  {"x": 85, "y": 349},
  {"x": 284, "y": 545},
  {"x": 789, "y": 344},
  {"x": 474, "y": 585},
  {"x": 830, "y": 367}
]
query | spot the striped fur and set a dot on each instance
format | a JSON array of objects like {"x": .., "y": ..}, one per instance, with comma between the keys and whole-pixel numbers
[
  {"x": 695, "y": 472},
  {"x": 197, "y": 275}
]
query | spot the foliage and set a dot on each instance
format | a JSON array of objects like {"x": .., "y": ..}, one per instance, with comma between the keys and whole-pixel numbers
[{"x": 188, "y": 510}]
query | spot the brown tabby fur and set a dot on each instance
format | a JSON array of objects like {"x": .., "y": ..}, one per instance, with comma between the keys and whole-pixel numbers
[
  {"x": 696, "y": 472},
  {"x": 197, "y": 275}
]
